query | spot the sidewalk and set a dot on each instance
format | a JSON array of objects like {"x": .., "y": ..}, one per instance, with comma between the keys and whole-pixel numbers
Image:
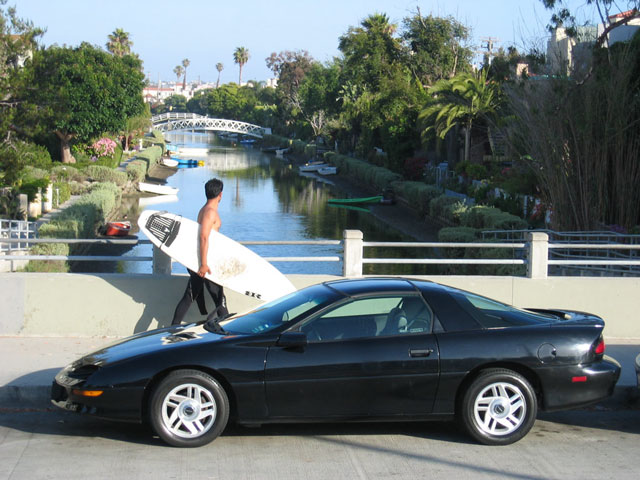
[{"x": 29, "y": 365}]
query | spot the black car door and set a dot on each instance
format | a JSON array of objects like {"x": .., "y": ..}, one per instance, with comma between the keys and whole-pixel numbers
[{"x": 371, "y": 356}]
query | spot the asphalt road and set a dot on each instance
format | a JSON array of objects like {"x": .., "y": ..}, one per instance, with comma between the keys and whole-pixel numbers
[{"x": 581, "y": 444}]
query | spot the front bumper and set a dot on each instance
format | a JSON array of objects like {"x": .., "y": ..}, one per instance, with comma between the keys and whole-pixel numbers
[
  {"x": 580, "y": 385},
  {"x": 123, "y": 404}
]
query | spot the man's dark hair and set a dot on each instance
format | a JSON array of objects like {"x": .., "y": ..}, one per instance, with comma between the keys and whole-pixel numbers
[{"x": 213, "y": 188}]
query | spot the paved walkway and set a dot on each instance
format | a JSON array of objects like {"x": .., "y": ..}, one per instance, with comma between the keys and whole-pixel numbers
[{"x": 29, "y": 365}]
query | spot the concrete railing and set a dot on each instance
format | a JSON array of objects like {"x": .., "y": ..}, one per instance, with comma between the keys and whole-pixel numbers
[
  {"x": 50, "y": 304},
  {"x": 534, "y": 253}
]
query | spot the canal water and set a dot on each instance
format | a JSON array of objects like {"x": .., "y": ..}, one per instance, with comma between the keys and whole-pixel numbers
[{"x": 266, "y": 198}]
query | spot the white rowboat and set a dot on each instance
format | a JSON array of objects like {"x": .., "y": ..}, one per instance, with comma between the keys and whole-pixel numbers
[{"x": 157, "y": 189}]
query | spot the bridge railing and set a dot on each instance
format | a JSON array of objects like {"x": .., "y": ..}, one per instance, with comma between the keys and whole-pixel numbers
[{"x": 534, "y": 253}]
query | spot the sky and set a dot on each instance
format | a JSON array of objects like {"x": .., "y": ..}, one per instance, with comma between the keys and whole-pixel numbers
[{"x": 164, "y": 32}]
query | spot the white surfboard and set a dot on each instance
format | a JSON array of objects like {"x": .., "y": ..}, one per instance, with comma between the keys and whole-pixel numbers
[{"x": 232, "y": 264}]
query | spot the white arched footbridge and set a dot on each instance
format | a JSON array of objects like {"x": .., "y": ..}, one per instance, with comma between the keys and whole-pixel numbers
[{"x": 192, "y": 121}]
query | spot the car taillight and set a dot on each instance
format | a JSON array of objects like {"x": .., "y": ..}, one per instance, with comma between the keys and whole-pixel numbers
[{"x": 600, "y": 347}]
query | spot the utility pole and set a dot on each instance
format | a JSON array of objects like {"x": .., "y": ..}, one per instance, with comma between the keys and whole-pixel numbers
[{"x": 487, "y": 46}]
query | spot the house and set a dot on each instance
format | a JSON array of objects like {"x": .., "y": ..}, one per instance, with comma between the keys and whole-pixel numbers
[{"x": 565, "y": 54}]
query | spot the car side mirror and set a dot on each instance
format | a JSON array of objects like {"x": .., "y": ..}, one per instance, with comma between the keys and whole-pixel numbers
[{"x": 292, "y": 339}]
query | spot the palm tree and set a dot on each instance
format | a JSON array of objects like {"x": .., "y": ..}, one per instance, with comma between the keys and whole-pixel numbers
[
  {"x": 219, "y": 68},
  {"x": 379, "y": 22},
  {"x": 241, "y": 56},
  {"x": 185, "y": 64},
  {"x": 119, "y": 43},
  {"x": 178, "y": 71},
  {"x": 460, "y": 100}
]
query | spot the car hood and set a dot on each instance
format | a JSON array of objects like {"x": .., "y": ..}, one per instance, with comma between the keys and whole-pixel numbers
[{"x": 149, "y": 342}]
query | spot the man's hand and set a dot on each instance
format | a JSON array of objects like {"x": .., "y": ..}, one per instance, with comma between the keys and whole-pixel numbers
[{"x": 203, "y": 270}]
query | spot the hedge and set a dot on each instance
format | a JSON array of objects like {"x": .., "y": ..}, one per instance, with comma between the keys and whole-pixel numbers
[
  {"x": 136, "y": 170},
  {"x": 491, "y": 218},
  {"x": 155, "y": 138},
  {"x": 377, "y": 177},
  {"x": 418, "y": 194},
  {"x": 100, "y": 173},
  {"x": 447, "y": 208},
  {"x": 150, "y": 156}
]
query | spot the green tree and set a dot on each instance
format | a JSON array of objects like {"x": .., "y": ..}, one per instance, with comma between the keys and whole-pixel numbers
[
  {"x": 240, "y": 57},
  {"x": 436, "y": 46},
  {"x": 176, "y": 103},
  {"x": 316, "y": 97},
  {"x": 78, "y": 93},
  {"x": 219, "y": 68},
  {"x": 119, "y": 43},
  {"x": 370, "y": 51},
  {"x": 135, "y": 125},
  {"x": 18, "y": 41},
  {"x": 185, "y": 65},
  {"x": 460, "y": 101}
]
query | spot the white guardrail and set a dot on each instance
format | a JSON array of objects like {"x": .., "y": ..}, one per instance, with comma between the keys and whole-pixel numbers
[{"x": 534, "y": 253}]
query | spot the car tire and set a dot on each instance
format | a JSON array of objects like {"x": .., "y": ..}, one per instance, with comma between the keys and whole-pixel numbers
[
  {"x": 188, "y": 408},
  {"x": 499, "y": 407}
]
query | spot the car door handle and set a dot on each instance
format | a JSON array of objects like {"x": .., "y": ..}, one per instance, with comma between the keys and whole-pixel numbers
[{"x": 420, "y": 352}]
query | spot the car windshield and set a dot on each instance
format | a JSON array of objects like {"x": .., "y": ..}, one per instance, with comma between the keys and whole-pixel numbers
[{"x": 284, "y": 310}]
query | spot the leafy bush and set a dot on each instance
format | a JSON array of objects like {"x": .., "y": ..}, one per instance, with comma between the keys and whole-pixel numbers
[
  {"x": 479, "y": 217},
  {"x": 439, "y": 207},
  {"x": 105, "y": 174},
  {"x": 31, "y": 187},
  {"x": 136, "y": 170},
  {"x": 66, "y": 172},
  {"x": 154, "y": 139},
  {"x": 50, "y": 266},
  {"x": 150, "y": 156},
  {"x": 417, "y": 194},
  {"x": 67, "y": 228},
  {"x": 92, "y": 208},
  {"x": 456, "y": 235},
  {"x": 61, "y": 193}
]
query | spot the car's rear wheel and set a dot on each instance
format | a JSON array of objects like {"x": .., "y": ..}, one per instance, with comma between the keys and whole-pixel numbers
[
  {"x": 188, "y": 408},
  {"x": 499, "y": 407}
]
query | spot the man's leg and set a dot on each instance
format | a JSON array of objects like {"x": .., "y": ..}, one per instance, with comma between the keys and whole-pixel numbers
[
  {"x": 217, "y": 294},
  {"x": 193, "y": 291}
]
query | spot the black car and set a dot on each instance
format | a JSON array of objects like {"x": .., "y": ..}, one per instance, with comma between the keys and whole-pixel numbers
[{"x": 366, "y": 349}]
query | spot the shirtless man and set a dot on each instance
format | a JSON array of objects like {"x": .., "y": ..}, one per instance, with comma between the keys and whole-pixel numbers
[{"x": 209, "y": 219}]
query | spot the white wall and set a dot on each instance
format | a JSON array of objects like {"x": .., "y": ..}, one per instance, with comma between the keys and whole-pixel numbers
[{"x": 44, "y": 304}]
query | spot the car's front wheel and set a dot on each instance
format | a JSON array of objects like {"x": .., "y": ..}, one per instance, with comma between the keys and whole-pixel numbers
[
  {"x": 188, "y": 408},
  {"x": 499, "y": 407}
]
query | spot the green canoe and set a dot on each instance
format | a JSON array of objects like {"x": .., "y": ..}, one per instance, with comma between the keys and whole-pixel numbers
[{"x": 355, "y": 201}]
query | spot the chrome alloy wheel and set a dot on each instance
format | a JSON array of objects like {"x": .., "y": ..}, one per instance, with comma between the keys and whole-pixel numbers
[
  {"x": 500, "y": 408},
  {"x": 189, "y": 410}
]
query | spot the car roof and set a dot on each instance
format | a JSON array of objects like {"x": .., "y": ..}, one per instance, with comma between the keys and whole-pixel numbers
[{"x": 370, "y": 285}]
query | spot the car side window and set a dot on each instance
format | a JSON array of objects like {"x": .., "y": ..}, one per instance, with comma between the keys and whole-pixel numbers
[{"x": 370, "y": 317}]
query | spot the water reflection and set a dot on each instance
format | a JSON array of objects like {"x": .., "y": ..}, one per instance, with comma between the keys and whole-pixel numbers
[{"x": 266, "y": 198}]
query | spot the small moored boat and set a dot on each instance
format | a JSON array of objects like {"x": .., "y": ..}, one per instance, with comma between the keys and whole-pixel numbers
[
  {"x": 312, "y": 166},
  {"x": 117, "y": 229},
  {"x": 157, "y": 189},
  {"x": 355, "y": 201},
  {"x": 169, "y": 162},
  {"x": 328, "y": 170}
]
